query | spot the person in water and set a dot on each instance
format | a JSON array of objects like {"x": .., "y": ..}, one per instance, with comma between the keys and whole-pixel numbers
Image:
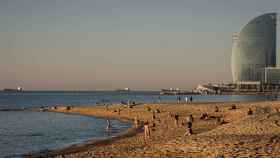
[
  {"x": 109, "y": 125},
  {"x": 147, "y": 132}
]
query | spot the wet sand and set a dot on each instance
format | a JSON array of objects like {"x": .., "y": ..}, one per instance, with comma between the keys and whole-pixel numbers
[{"x": 240, "y": 135}]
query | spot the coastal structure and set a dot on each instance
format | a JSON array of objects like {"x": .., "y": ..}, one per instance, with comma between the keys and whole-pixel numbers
[
  {"x": 253, "y": 60},
  {"x": 176, "y": 91},
  {"x": 254, "y": 49}
]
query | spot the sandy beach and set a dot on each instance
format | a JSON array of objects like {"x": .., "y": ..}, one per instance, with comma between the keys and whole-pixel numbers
[{"x": 226, "y": 133}]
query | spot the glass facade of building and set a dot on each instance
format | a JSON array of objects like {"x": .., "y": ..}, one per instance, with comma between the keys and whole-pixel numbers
[
  {"x": 254, "y": 48},
  {"x": 272, "y": 75}
]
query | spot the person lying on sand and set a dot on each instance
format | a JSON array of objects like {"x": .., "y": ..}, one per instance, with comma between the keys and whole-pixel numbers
[{"x": 233, "y": 107}]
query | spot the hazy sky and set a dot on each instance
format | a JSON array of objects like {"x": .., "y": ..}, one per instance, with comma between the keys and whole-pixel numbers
[{"x": 110, "y": 44}]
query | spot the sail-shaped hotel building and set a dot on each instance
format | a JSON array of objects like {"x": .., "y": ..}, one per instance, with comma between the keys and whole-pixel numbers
[{"x": 254, "y": 49}]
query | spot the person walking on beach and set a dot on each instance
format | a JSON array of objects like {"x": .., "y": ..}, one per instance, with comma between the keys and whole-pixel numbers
[
  {"x": 189, "y": 125},
  {"x": 186, "y": 99},
  {"x": 147, "y": 132},
  {"x": 191, "y": 99}
]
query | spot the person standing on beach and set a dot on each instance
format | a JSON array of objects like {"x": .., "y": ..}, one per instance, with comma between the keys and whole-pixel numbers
[
  {"x": 189, "y": 125},
  {"x": 119, "y": 111},
  {"x": 186, "y": 99},
  {"x": 191, "y": 99},
  {"x": 179, "y": 100},
  {"x": 147, "y": 132},
  {"x": 159, "y": 99},
  {"x": 176, "y": 117},
  {"x": 136, "y": 121}
]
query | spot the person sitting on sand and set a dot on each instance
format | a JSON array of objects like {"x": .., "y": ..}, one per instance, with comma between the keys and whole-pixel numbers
[
  {"x": 176, "y": 117},
  {"x": 250, "y": 112},
  {"x": 189, "y": 125},
  {"x": 216, "y": 109},
  {"x": 170, "y": 114},
  {"x": 220, "y": 121},
  {"x": 154, "y": 115},
  {"x": 147, "y": 132},
  {"x": 233, "y": 107},
  {"x": 204, "y": 116}
]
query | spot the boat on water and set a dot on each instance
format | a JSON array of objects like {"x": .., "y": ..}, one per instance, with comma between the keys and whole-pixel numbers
[
  {"x": 18, "y": 89},
  {"x": 123, "y": 90}
]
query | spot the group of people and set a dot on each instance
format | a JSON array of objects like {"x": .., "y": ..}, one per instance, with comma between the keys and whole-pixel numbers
[
  {"x": 189, "y": 122},
  {"x": 186, "y": 99}
]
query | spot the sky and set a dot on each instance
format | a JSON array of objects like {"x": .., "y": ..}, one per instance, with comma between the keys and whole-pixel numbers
[{"x": 112, "y": 44}]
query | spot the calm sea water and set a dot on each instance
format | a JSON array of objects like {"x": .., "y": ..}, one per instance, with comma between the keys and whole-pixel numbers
[
  {"x": 24, "y": 132},
  {"x": 49, "y": 98}
]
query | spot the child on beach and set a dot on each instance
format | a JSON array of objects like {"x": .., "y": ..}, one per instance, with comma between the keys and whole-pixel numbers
[{"x": 147, "y": 132}]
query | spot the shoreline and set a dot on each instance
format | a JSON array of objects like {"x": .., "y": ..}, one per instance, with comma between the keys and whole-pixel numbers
[
  {"x": 168, "y": 141},
  {"x": 87, "y": 144},
  {"x": 83, "y": 146}
]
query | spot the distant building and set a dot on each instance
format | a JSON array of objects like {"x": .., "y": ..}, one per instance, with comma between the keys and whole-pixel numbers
[
  {"x": 254, "y": 49},
  {"x": 272, "y": 75}
]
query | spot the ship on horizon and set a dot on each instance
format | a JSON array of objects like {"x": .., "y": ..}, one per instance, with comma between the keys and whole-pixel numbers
[
  {"x": 123, "y": 90},
  {"x": 18, "y": 89}
]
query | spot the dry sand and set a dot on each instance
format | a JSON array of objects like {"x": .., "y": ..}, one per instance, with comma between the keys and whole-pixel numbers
[{"x": 241, "y": 135}]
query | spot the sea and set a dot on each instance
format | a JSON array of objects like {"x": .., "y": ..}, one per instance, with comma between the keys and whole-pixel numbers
[{"x": 23, "y": 132}]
